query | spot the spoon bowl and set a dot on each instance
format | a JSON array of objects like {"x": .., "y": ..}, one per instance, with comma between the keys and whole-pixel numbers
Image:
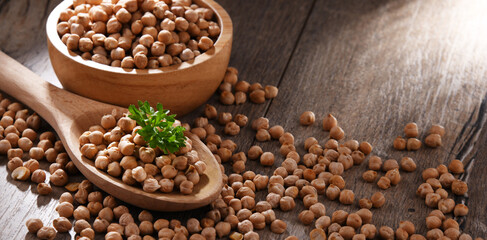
[{"x": 70, "y": 115}]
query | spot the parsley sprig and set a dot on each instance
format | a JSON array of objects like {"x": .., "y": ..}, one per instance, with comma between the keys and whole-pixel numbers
[{"x": 157, "y": 127}]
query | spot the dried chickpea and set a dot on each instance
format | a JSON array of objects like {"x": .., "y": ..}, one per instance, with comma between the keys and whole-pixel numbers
[
  {"x": 369, "y": 176},
  {"x": 307, "y": 118},
  {"x": 368, "y": 230},
  {"x": 62, "y": 224},
  {"x": 411, "y": 130},
  {"x": 375, "y": 163},
  {"x": 408, "y": 164},
  {"x": 433, "y": 140},
  {"x": 460, "y": 210},
  {"x": 257, "y": 96},
  {"x": 459, "y": 187},
  {"x": 437, "y": 129},
  {"x": 33, "y": 225},
  {"x": 399, "y": 143},
  {"x": 394, "y": 176},
  {"x": 21, "y": 173},
  {"x": 413, "y": 144},
  {"x": 430, "y": 173},
  {"x": 337, "y": 133},
  {"x": 329, "y": 122},
  {"x": 46, "y": 233},
  {"x": 278, "y": 226},
  {"x": 365, "y": 203},
  {"x": 384, "y": 183},
  {"x": 347, "y": 197},
  {"x": 456, "y": 167},
  {"x": 378, "y": 200}
]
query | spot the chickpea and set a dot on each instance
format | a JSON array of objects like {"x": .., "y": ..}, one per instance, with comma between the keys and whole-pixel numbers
[
  {"x": 399, "y": 143},
  {"x": 378, "y": 200},
  {"x": 413, "y": 144},
  {"x": 369, "y": 231},
  {"x": 459, "y": 187},
  {"x": 369, "y": 176},
  {"x": 394, "y": 176},
  {"x": 46, "y": 233},
  {"x": 456, "y": 167},
  {"x": 390, "y": 164},
  {"x": 5, "y": 146},
  {"x": 44, "y": 189},
  {"x": 38, "y": 176},
  {"x": 347, "y": 197},
  {"x": 222, "y": 229},
  {"x": 433, "y": 140},
  {"x": 332, "y": 192},
  {"x": 384, "y": 183},
  {"x": 21, "y": 173},
  {"x": 460, "y": 210},
  {"x": 430, "y": 173},
  {"x": 14, "y": 163},
  {"x": 424, "y": 189},
  {"x": 408, "y": 164},
  {"x": 336, "y": 168},
  {"x": 33, "y": 225},
  {"x": 257, "y": 96},
  {"x": 337, "y": 133},
  {"x": 65, "y": 209},
  {"x": 59, "y": 178},
  {"x": 339, "y": 217},
  {"x": 375, "y": 163},
  {"x": 62, "y": 224},
  {"x": 278, "y": 226},
  {"x": 307, "y": 118},
  {"x": 267, "y": 159}
]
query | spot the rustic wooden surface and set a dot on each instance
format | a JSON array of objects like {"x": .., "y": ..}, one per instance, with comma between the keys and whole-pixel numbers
[{"x": 376, "y": 65}]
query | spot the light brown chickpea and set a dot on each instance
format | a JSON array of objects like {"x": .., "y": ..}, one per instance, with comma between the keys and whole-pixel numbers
[
  {"x": 378, "y": 200},
  {"x": 460, "y": 210},
  {"x": 413, "y": 144},
  {"x": 399, "y": 143},
  {"x": 33, "y": 225},
  {"x": 375, "y": 163},
  {"x": 424, "y": 189},
  {"x": 278, "y": 226},
  {"x": 347, "y": 197},
  {"x": 46, "y": 233},
  {"x": 384, "y": 183},
  {"x": 337, "y": 133},
  {"x": 307, "y": 118},
  {"x": 456, "y": 166},
  {"x": 459, "y": 187},
  {"x": 369, "y": 176},
  {"x": 62, "y": 224},
  {"x": 38, "y": 176},
  {"x": 408, "y": 164},
  {"x": 386, "y": 232},
  {"x": 411, "y": 130},
  {"x": 394, "y": 176}
]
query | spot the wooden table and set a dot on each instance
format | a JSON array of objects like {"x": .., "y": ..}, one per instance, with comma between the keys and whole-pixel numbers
[{"x": 376, "y": 65}]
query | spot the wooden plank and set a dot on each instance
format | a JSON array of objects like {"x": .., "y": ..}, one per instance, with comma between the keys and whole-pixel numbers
[
  {"x": 377, "y": 65},
  {"x": 258, "y": 52}
]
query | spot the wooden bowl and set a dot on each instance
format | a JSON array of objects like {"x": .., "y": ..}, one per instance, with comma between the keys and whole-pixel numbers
[{"x": 180, "y": 88}]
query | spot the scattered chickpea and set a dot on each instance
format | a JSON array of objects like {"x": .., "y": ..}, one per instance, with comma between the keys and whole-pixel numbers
[
  {"x": 329, "y": 122},
  {"x": 33, "y": 225},
  {"x": 433, "y": 140},
  {"x": 347, "y": 197},
  {"x": 337, "y": 133},
  {"x": 278, "y": 226},
  {"x": 399, "y": 143},
  {"x": 307, "y": 118},
  {"x": 384, "y": 183},
  {"x": 456, "y": 167},
  {"x": 378, "y": 200},
  {"x": 408, "y": 164},
  {"x": 437, "y": 129},
  {"x": 413, "y": 144},
  {"x": 46, "y": 233}
]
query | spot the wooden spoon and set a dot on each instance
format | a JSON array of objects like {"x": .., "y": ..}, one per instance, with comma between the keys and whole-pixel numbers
[{"x": 70, "y": 115}]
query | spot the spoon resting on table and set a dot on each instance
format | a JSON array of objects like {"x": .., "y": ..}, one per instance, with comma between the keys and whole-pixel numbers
[{"x": 70, "y": 115}]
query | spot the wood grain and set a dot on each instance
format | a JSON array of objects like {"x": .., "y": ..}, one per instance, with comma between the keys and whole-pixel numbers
[{"x": 375, "y": 64}]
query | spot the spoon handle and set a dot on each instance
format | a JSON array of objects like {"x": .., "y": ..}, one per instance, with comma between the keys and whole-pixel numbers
[{"x": 50, "y": 102}]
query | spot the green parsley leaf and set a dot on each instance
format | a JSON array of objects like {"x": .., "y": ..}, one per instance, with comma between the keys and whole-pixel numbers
[{"x": 157, "y": 127}]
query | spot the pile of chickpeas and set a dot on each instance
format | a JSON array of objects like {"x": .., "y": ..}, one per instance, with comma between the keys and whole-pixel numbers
[
  {"x": 138, "y": 34},
  {"x": 117, "y": 148},
  {"x": 25, "y": 147}
]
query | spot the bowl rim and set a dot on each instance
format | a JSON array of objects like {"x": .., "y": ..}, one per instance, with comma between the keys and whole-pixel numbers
[{"x": 225, "y": 37}]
